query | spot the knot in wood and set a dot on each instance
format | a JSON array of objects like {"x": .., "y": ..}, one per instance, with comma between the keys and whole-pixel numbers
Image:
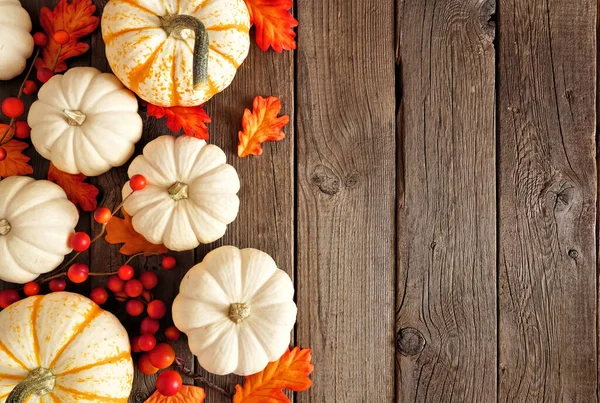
[
  {"x": 326, "y": 180},
  {"x": 573, "y": 254},
  {"x": 409, "y": 341}
]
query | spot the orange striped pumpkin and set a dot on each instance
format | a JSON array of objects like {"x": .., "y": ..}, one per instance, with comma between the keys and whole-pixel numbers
[
  {"x": 62, "y": 347},
  {"x": 176, "y": 52}
]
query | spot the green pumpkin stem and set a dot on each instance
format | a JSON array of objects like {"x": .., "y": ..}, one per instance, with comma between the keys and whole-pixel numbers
[{"x": 39, "y": 382}]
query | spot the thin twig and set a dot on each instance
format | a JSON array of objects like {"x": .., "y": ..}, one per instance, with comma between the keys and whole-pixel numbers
[{"x": 180, "y": 366}]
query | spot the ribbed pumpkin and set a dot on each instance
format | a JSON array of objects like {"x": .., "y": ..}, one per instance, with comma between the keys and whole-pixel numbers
[
  {"x": 176, "y": 52},
  {"x": 64, "y": 348},
  {"x": 16, "y": 44}
]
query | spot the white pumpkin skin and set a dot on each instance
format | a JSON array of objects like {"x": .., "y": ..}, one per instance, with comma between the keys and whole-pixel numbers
[
  {"x": 237, "y": 310},
  {"x": 85, "y": 347},
  {"x": 85, "y": 121},
  {"x": 200, "y": 170},
  {"x": 16, "y": 43},
  {"x": 159, "y": 66},
  {"x": 37, "y": 220}
]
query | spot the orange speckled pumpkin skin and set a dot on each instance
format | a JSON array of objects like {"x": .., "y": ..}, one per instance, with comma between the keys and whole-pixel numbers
[
  {"x": 85, "y": 347},
  {"x": 159, "y": 67}
]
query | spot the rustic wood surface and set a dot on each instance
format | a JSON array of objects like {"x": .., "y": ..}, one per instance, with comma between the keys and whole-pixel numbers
[{"x": 434, "y": 199}]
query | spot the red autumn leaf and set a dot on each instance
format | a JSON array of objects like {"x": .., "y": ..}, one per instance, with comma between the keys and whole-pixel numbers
[
  {"x": 15, "y": 162},
  {"x": 289, "y": 372},
  {"x": 192, "y": 119},
  {"x": 76, "y": 189},
  {"x": 260, "y": 125},
  {"x": 120, "y": 230},
  {"x": 187, "y": 394},
  {"x": 274, "y": 24},
  {"x": 77, "y": 18}
]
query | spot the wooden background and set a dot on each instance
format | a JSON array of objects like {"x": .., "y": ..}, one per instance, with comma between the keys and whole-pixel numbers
[{"x": 434, "y": 199}]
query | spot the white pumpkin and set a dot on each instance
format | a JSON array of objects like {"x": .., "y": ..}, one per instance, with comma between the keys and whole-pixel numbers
[
  {"x": 36, "y": 221},
  {"x": 237, "y": 309},
  {"x": 62, "y": 347},
  {"x": 85, "y": 122},
  {"x": 191, "y": 193},
  {"x": 176, "y": 53},
  {"x": 16, "y": 43}
]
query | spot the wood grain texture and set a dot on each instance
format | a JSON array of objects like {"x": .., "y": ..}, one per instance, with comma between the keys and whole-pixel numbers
[
  {"x": 547, "y": 178},
  {"x": 446, "y": 304},
  {"x": 345, "y": 197}
]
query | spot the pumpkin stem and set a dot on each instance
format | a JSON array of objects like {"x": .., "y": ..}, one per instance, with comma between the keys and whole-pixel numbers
[
  {"x": 238, "y": 311},
  {"x": 174, "y": 25},
  {"x": 39, "y": 382},
  {"x": 4, "y": 227},
  {"x": 179, "y": 191},
  {"x": 74, "y": 117}
]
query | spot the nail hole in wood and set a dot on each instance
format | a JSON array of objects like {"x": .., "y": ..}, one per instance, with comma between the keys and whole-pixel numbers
[{"x": 573, "y": 254}]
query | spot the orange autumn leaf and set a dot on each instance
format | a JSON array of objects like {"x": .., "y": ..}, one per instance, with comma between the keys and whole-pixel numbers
[
  {"x": 187, "y": 394},
  {"x": 15, "y": 162},
  {"x": 191, "y": 119},
  {"x": 77, "y": 190},
  {"x": 77, "y": 18},
  {"x": 120, "y": 230},
  {"x": 274, "y": 24},
  {"x": 289, "y": 372},
  {"x": 260, "y": 125}
]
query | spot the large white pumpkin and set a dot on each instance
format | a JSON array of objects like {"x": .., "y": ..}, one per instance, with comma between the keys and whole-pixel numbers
[
  {"x": 16, "y": 43},
  {"x": 85, "y": 122},
  {"x": 237, "y": 309},
  {"x": 191, "y": 193},
  {"x": 36, "y": 221},
  {"x": 176, "y": 52},
  {"x": 64, "y": 348}
]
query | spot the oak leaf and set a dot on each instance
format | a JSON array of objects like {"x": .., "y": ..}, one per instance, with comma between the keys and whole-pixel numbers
[
  {"x": 77, "y": 190},
  {"x": 77, "y": 18},
  {"x": 191, "y": 119},
  {"x": 260, "y": 125},
  {"x": 120, "y": 230},
  {"x": 187, "y": 394},
  {"x": 274, "y": 24},
  {"x": 15, "y": 162},
  {"x": 289, "y": 372}
]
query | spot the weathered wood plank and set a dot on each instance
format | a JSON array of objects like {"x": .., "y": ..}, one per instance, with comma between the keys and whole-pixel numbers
[
  {"x": 446, "y": 305},
  {"x": 345, "y": 197},
  {"x": 547, "y": 179}
]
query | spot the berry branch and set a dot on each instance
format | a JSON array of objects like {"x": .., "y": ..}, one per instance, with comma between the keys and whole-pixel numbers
[{"x": 180, "y": 366}]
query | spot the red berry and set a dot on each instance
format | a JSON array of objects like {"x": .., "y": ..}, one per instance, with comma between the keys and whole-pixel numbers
[
  {"x": 162, "y": 356},
  {"x": 134, "y": 307},
  {"x": 61, "y": 37},
  {"x": 126, "y": 272},
  {"x": 135, "y": 347},
  {"x": 133, "y": 288},
  {"x": 147, "y": 296},
  {"x": 102, "y": 215},
  {"x": 44, "y": 74},
  {"x": 3, "y": 154},
  {"x": 32, "y": 288},
  {"x": 169, "y": 383},
  {"x": 22, "y": 129},
  {"x": 121, "y": 296},
  {"x": 80, "y": 241},
  {"x": 99, "y": 295},
  {"x": 78, "y": 273},
  {"x": 157, "y": 309},
  {"x": 145, "y": 366},
  {"x": 40, "y": 39},
  {"x": 168, "y": 262},
  {"x": 172, "y": 333},
  {"x": 13, "y": 107},
  {"x": 149, "y": 326},
  {"x": 115, "y": 284},
  {"x": 8, "y": 297},
  {"x": 30, "y": 87},
  {"x": 137, "y": 182},
  {"x": 147, "y": 342},
  {"x": 57, "y": 284},
  {"x": 149, "y": 280}
]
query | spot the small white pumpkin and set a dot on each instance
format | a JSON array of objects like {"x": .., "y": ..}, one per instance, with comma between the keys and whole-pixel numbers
[
  {"x": 36, "y": 221},
  {"x": 16, "y": 43},
  {"x": 237, "y": 309},
  {"x": 190, "y": 196},
  {"x": 62, "y": 347},
  {"x": 85, "y": 122}
]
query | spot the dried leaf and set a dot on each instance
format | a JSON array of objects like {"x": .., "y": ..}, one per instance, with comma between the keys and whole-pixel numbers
[
  {"x": 187, "y": 394},
  {"x": 260, "y": 125},
  {"x": 192, "y": 119},
  {"x": 15, "y": 162},
  {"x": 274, "y": 24},
  {"x": 289, "y": 372},
  {"x": 120, "y": 230},
  {"x": 77, "y": 190},
  {"x": 77, "y": 18}
]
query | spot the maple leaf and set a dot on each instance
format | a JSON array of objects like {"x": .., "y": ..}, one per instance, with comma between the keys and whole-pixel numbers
[
  {"x": 15, "y": 162},
  {"x": 77, "y": 190},
  {"x": 289, "y": 372},
  {"x": 274, "y": 24},
  {"x": 260, "y": 125},
  {"x": 187, "y": 394},
  {"x": 120, "y": 230},
  {"x": 192, "y": 119},
  {"x": 77, "y": 18}
]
